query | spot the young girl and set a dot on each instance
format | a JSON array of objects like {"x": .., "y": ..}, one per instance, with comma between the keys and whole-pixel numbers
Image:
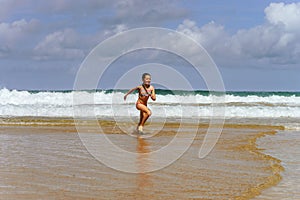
[{"x": 145, "y": 91}]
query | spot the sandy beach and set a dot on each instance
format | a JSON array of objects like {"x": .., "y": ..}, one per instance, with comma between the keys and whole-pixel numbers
[{"x": 46, "y": 159}]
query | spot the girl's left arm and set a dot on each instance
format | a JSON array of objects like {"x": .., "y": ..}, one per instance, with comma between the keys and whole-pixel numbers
[
  {"x": 153, "y": 95},
  {"x": 130, "y": 91}
]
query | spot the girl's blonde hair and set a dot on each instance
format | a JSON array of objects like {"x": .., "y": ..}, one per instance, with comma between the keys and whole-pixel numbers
[{"x": 145, "y": 74}]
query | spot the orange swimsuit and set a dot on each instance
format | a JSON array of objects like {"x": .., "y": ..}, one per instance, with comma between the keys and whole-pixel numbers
[{"x": 145, "y": 93}]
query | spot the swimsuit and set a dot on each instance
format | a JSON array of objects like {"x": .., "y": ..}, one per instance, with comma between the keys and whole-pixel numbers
[
  {"x": 138, "y": 102},
  {"x": 145, "y": 93}
]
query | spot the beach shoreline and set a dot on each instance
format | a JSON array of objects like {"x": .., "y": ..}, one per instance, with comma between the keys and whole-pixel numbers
[{"x": 238, "y": 140}]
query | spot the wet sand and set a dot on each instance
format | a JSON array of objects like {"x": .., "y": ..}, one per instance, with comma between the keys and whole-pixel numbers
[{"x": 47, "y": 160}]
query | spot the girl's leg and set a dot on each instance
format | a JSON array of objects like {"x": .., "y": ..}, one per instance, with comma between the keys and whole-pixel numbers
[
  {"x": 141, "y": 117},
  {"x": 144, "y": 115}
]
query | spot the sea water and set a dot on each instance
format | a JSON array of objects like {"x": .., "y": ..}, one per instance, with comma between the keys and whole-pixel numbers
[
  {"x": 284, "y": 146},
  {"x": 26, "y": 148},
  {"x": 186, "y": 104}
]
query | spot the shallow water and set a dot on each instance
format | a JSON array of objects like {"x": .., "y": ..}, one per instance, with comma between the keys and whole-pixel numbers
[
  {"x": 285, "y": 146},
  {"x": 46, "y": 162}
]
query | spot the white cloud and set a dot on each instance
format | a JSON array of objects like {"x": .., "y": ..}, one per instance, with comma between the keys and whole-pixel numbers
[
  {"x": 276, "y": 42},
  {"x": 127, "y": 12},
  {"x": 64, "y": 44},
  {"x": 286, "y": 14},
  {"x": 13, "y": 35},
  {"x": 88, "y": 16},
  {"x": 210, "y": 35},
  {"x": 136, "y": 13},
  {"x": 12, "y": 32}
]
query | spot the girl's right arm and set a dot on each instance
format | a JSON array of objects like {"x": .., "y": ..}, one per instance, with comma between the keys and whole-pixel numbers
[{"x": 130, "y": 91}]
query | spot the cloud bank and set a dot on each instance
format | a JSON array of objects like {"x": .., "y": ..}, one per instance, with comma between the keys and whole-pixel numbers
[
  {"x": 274, "y": 43},
  {"x": 38, "y": 37}
]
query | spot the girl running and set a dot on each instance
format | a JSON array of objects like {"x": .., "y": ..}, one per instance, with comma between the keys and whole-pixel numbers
[{"x": 145, "y": 91}]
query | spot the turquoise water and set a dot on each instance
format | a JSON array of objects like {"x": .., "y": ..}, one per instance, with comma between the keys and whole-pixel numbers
[{"x": 185, "y": 92}]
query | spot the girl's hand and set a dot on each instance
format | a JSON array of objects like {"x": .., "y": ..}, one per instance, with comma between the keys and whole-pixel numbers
[
  {"x": 129, "y": 92},
  {"x": 153, "y": 97}
]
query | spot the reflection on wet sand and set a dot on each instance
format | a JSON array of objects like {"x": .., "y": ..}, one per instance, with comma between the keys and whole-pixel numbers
[{"x": 143, "y": 179}]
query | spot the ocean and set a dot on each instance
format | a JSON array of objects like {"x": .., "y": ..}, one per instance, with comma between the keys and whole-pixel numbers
[
  {"x": 169, "y": 104},
  {"x": 43, "y": 157}
]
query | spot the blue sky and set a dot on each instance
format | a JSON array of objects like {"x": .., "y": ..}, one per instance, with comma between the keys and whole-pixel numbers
[{"x": 255, "y": 44}]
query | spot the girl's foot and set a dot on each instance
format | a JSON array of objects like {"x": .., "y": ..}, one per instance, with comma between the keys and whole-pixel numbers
[{"x": 140, "y": 128}]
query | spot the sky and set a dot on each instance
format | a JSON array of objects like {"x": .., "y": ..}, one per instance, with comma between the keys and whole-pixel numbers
[{"x": 255, "y": 44}]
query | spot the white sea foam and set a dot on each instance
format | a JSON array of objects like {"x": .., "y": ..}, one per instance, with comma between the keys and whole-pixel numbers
[{"x": 61, "y": 104}]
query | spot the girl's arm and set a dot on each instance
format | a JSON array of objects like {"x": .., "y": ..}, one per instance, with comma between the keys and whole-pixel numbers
[
  {"x": 130, "y": 91},
  {"x": 153, "y": 95}
]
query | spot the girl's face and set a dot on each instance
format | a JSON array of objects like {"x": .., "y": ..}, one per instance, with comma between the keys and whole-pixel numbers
[{"x": 147, "y": 80}]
